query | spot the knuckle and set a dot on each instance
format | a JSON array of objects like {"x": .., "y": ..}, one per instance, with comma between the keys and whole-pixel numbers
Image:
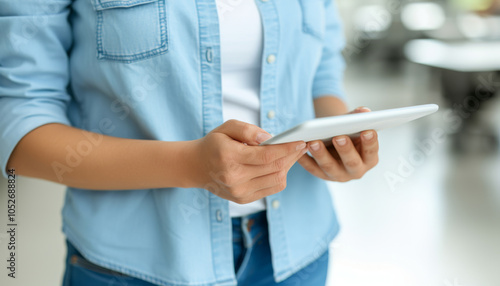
[
  {"x": 306, "y": 163},
  {"x": 282, "y": 186},
  {"x": 223, "y": 157},
  {"x": 238, "y": 200},
  {"x": 245, "y": 152},
  {"x": 279, "y": 188},
  {"x": 358, "y": 176},
  {"x": 242, "y": 199},
  {"x": 343, "y": 179},
  {"x": 231, "y": 122},
  {"x": 339, "y": 179},
  {"x": 229, "y": 178},
  {"x": 291, "y": 148},
  {"x": 224, "y": 178},
  {"x": 230, "y": 181},
  {"x": 247, "y": 201},
  {"x": 375, "y": 162},
  {"x": 267, "y": 156},
  {"x": 247, "y": 130},
  {"x": 238, "y": 193},
  {"x": 370, "y": 151},
  {"x": 328, "y": 166},
  {"x": 281, "y": 178},
  {"x": 279, "y": 164},
  {"x": 354, "y": 163},
  {"x": 274, "y": 190}
]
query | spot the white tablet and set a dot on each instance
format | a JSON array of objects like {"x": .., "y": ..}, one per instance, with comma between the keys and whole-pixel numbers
[{"x": 351, "y": 124}]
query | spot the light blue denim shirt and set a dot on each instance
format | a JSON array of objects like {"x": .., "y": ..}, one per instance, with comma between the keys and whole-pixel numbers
[{"x": 151, "y": 69}]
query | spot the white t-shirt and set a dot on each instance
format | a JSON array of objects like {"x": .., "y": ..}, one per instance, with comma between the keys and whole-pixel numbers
[{"x": 241, "y": 38}]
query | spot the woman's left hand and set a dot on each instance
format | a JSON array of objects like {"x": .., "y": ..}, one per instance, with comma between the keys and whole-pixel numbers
[{"x": 347, "y": 159}]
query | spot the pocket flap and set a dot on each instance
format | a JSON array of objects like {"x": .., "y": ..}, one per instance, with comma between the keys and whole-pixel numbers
[
  {"x": 108, "y": 4},
  {"x": 313, "y": 14}
]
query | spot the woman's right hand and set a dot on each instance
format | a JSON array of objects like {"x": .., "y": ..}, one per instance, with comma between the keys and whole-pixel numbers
[{"x": 230, "y": 164}]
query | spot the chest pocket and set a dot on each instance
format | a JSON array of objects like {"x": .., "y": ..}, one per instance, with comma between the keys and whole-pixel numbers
[
  {"x": 131, "y": 30},
  {"x": 313, "y": 17}
]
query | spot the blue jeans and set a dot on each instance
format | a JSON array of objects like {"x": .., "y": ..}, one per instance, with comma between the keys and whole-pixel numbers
[{"x": 252, "y": 262}]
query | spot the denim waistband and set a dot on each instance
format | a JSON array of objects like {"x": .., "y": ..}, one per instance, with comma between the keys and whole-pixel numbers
[{"x": 249, "y": 227}]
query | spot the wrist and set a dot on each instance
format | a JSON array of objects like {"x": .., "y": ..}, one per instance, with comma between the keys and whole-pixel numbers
[
  {"x": 329, "y": 106},
  {"x": 188, "y": 172}
]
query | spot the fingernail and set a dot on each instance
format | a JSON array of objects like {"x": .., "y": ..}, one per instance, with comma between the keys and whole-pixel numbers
[
  {"x": 368, "y": 135},
  {"x": 341, "y": 141},
  {"x": 261, "y": 137},
  {"x": 315, "y": 146},
  {"x": 364, "y": 108},
  {"x": 301, "y": 146}
]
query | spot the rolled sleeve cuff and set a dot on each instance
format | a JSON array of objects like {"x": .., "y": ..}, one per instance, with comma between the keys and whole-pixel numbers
[
  {"x": 327, "y": 89},
  {"x": 19, "y": 117}
]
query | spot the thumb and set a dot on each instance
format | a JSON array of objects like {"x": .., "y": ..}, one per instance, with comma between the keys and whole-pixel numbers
[
  {"x": 360, "y": 109},
  {"x": 243, "y": 132}
]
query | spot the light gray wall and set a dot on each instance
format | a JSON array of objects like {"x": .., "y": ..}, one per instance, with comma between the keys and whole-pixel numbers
[{"x": 39, "y": 239}]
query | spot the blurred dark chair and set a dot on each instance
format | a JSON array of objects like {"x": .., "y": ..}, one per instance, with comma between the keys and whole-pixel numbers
[{"x": 469, "y": 76}]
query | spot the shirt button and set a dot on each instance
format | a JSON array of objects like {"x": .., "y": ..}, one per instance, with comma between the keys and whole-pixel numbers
[
  {"x": 209, "y": 55},
  {"x": 218, "y": 215},
  {"x": 271, "y": 114},
  {"x": 275, "y": 204},
  {"x": 271, "y": 59}
]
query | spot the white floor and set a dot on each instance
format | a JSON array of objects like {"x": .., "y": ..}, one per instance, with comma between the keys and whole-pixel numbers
[{"x": 437, "y": 225}]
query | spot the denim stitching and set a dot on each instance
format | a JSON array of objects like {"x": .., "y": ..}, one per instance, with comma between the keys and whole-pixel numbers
[
  {"x": 122, "y": 4},
  {"x": 102, "y": 55},
  {"x": 99, "y": 35},
  {"x": 103, "y": 262},
  {"x": 163, "y": 26},
  {"x": 284, "y": 274},
  {"x": 306, "y": 27}
]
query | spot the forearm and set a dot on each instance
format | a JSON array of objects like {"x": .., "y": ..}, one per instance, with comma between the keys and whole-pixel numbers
[
  {"x": 329, "y": 106},
  {"x": 494, "y": 7},
  {"x": 83, "y": 159}
]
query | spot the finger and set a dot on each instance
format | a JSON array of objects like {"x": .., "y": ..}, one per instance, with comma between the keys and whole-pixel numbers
[
  {"x": 261, "y": 155},
  {"x": 243, "y": 132},
  {"x": 281, "y": 164},
  {"x": 350, "y": 157},
  {"x": 369, "y": 148},
  {"x": 310, "y": 165},
  {"x": 262, "y": 194},
  {"x": 360, "y": 109},
  {"x": 325, "y": 160},
  {"x": 246, "y": 192},
  {"x": 270, "y": 183}
]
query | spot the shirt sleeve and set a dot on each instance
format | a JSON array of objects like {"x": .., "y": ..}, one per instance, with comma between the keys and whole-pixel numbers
[
  {"x": 35, "y": 37},
  {"x": 330, "y": 72}
]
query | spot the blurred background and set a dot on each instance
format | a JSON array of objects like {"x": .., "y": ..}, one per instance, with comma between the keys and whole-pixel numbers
[{"x": 429, "y": 213}]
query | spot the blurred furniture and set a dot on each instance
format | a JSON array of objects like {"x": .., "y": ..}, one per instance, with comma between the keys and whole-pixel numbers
[
  {"x": 469, "y": 77},
  {"x": 466, "y": 57}
]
